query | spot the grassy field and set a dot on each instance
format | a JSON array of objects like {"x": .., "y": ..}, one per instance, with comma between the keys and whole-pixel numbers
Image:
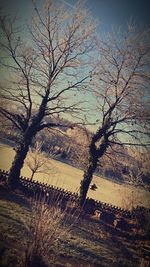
[
  {"x": 68, "y": 177},
  {"x": 88, "y": 244}
]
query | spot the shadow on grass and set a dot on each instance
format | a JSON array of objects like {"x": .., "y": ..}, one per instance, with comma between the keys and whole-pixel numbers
[
  {"x": 16, "y": 197},
  {"x": 16, "y": 222},
  {"x": 86, "y": 252},
  {"x": 112, "y": 242}
]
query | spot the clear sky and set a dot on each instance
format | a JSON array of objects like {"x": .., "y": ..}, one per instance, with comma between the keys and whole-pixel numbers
[
  {"x": 117, "y": 12},
  {"x": 109, "y": 12}
]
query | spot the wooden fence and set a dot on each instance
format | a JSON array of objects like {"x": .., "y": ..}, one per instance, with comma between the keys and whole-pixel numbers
[
  {"x": 32, "y": 187},
  {"x": 53, "y": 194},
  {"x": 35, "y": 187}
]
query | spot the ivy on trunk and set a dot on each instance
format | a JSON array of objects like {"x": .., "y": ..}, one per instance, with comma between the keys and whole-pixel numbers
[{"x": 95, "y": 153}]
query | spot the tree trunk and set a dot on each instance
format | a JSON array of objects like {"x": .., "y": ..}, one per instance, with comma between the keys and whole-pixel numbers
[
  {"x": 87, "y": 178},
  {"x": 22, "y": 150},
  {"x": 94, "y": 155},
  {"x": 31, "y": 178},
  {"x": 13, "y": 178}
]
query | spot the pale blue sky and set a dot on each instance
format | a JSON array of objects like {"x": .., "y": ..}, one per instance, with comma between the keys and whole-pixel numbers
[{"x": 109, "y": 12}]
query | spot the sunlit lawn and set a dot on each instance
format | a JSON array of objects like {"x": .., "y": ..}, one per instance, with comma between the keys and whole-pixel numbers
[{"x": 68, "y": 177}]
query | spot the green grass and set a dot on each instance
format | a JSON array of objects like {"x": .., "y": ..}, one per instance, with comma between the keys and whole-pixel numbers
[{"x": 89, "y": 244}]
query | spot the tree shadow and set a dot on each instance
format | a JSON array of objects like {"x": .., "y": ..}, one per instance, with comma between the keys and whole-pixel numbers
[
  {"x": 15, "y": 197},
  {"x": 116, "y": 243}
]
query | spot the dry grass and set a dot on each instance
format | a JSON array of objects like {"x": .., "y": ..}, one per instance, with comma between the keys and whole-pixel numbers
[
  {"x": 45, "y": 235},
  {"x": 34, "y": 229},
  {"x": 49, "y": 225},
  {"x": 69, "y": 178}
]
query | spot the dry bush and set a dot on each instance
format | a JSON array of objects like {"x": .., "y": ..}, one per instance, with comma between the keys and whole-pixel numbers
[
  {"x": 129, "y": 202},
  {"x": 50, "y": 225}
]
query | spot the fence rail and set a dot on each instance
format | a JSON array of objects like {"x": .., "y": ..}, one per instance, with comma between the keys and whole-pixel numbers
[{"x": 33, "y": 187}]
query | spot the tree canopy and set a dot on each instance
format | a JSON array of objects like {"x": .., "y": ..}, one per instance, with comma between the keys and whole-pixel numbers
[{"x": 43, "y": 64}]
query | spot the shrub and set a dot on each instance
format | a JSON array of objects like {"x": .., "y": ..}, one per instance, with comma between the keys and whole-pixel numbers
[{"x": 50, "y": 224}]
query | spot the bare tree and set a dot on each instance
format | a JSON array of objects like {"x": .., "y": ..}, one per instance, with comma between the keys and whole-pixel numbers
[
  {"x": 120, "y": 85},
  {"x": 43, "y": 63},
  {"x": 142, "y": 169},
  {"x": 36, "y": 161}
]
